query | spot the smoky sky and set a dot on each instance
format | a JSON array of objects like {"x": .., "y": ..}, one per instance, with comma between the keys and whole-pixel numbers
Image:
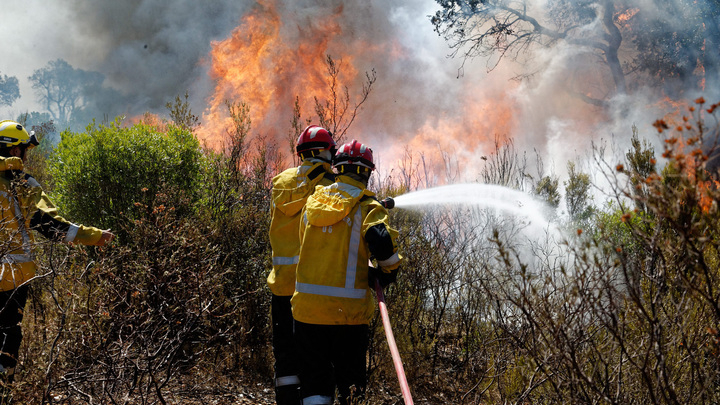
[
  {"x": 149, "y": 50},
  {"x": 155, "y": 47},
  {"x": 154, "y": 50}
]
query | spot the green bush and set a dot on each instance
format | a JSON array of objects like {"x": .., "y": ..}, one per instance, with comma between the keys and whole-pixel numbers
[
  {"x": 107, "y": 175},
  {"x": 181, "y": 299}
]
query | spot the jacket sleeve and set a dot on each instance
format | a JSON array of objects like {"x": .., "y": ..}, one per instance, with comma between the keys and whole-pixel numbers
[
  {"x": 51, "y": 225},
  {"x": 381, "y": 238}
]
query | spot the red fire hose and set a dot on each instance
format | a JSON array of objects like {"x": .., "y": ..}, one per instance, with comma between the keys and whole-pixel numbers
[{"x": 393, "y": 347}]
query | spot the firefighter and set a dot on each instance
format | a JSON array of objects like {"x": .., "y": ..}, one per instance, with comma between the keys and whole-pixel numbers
[
  {"x": 25, "y": 207},
  {"x": 343, "y": 227},
  {"x": 291, "y": 188}
]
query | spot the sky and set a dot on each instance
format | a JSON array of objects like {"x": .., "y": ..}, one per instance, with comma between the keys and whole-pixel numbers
[{"x": 424, "y": 104}]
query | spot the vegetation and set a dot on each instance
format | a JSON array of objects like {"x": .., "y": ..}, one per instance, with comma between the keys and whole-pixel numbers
[
  {"x": 9, "y": 90},
  {"x": 621, "y": 308},
  {"x": 176, "y": 294},
  {"x": 635, "y": 45},
  {"x": 73, "y": 96},
  {"x": 124, "y": 170},
  {"x": 619, "y": 304}
]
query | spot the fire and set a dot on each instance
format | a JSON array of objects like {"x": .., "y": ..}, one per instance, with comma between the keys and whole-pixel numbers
[
  {"x": 257, "y": 66},
  {"x": 270, "y": 59},
  {"x": 451, "y": 147},
  {"x": 627, "y": 15},
  {"x": 149, "y": 119}
]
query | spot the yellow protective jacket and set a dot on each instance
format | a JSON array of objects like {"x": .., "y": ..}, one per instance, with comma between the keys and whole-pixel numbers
[
  {"x": 24, "y": 207},
  {"x": 291, "y": 189},
  {"x": 343, "y": 227}
]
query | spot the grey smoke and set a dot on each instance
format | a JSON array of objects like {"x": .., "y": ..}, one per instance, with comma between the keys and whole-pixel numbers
[{"x": 149, "y": 50}]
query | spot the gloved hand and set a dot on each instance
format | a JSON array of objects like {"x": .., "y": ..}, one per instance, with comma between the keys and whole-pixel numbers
[{"x": 385, "y": 279}]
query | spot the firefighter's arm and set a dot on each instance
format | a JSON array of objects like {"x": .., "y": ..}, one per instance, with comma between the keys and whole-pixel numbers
[
  {"x": 51, "y": 225},
  {"x": 381, "y": 238}
]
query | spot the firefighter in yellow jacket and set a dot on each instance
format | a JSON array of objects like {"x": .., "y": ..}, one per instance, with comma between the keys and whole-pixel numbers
[
  {"x": 291, "y": 188},
  {"x": 344, "y": 226},
  {"x": 24, "y": 207}
]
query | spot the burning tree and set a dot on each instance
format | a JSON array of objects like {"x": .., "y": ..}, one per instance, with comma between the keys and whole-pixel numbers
[{"x": 659, "y": 47}]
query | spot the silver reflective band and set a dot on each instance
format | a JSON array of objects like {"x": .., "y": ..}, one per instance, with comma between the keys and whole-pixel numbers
[
  {"x": 330, "y": 291},
  {"x": 8, "y": 124},
  {"x": 317, "y": 400},
  {"x": 10, "y": 259},
  {"x": 301, "y": 177},
  {"x": 390, "y": 260},
  {"x": 32, "y": 182},
  {"x": 347, "y": 188},
  {"x": 21, "y": 225},
  {"x": 287, "y": 380},
  {"x": 281, "y": 261},
  {"x": 72, "y": 233},
  {"x": 353, "y": 249}
]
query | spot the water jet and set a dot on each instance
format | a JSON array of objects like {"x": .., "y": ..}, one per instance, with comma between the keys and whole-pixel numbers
[{"x": 491, "y": 196}]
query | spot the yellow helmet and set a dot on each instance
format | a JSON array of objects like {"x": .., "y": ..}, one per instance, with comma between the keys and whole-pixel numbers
[{"x": 12, "y": 134}]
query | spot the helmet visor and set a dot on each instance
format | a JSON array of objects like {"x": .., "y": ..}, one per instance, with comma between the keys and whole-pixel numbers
[{"x": 32, "y": 141}]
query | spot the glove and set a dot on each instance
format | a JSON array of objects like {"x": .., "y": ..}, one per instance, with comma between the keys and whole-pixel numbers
[{"x": 385, "y": 279}]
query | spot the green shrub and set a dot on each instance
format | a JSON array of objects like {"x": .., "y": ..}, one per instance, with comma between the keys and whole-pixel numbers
[{"x": 106, "y": 175}]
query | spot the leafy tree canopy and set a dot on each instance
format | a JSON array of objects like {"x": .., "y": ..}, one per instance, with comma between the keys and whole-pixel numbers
[
  {"x": 74, "y": 97},
  {"x": 9, "y": 90}
]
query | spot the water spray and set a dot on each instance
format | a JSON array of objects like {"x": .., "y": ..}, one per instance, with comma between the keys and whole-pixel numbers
[
  {"x": 492, "y": 196},
  {"x": 474, "y": 194}
]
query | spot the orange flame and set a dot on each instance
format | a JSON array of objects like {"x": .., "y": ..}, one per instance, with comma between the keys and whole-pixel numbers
[
  {"x": 257, "y": 67},
  {"x": 266, "y": 64},
  {"x": 452, "y": 146},
  {"x": 627, "y": 15},
  {"x": 684, "y": 145}
]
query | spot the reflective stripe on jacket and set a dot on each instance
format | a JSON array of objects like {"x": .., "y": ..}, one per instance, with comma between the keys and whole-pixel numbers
[
  {"x": 332, "y": 272},
  {"x": 291, "y": 190},
  {"x": 24, "y": 207}
]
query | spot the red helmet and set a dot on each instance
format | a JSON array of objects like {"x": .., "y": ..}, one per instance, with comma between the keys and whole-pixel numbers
[
  {"x": 314, "y": 138},
  {"x": 354, "y": 153}
]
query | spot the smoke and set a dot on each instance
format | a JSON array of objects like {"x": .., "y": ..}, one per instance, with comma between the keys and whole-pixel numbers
[
  {"x": 448, "y": 111},
  {"x": 148, "y": 50}
]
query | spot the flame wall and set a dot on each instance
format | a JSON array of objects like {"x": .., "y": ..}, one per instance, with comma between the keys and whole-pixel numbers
[{"x": 278, "y": 52}]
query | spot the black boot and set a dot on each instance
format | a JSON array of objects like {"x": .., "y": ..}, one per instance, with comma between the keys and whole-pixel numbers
[{"x": 287, "y": 395}]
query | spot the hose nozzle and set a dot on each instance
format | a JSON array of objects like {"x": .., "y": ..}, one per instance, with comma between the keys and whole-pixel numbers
[{"x": 388, "y": 203}]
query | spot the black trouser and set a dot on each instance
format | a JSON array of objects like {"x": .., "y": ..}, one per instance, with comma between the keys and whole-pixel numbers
[
  {"x": 332, "y": 355},
  {"x": 287, "y": 382},
  {"x": 12, "y": 304}
]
